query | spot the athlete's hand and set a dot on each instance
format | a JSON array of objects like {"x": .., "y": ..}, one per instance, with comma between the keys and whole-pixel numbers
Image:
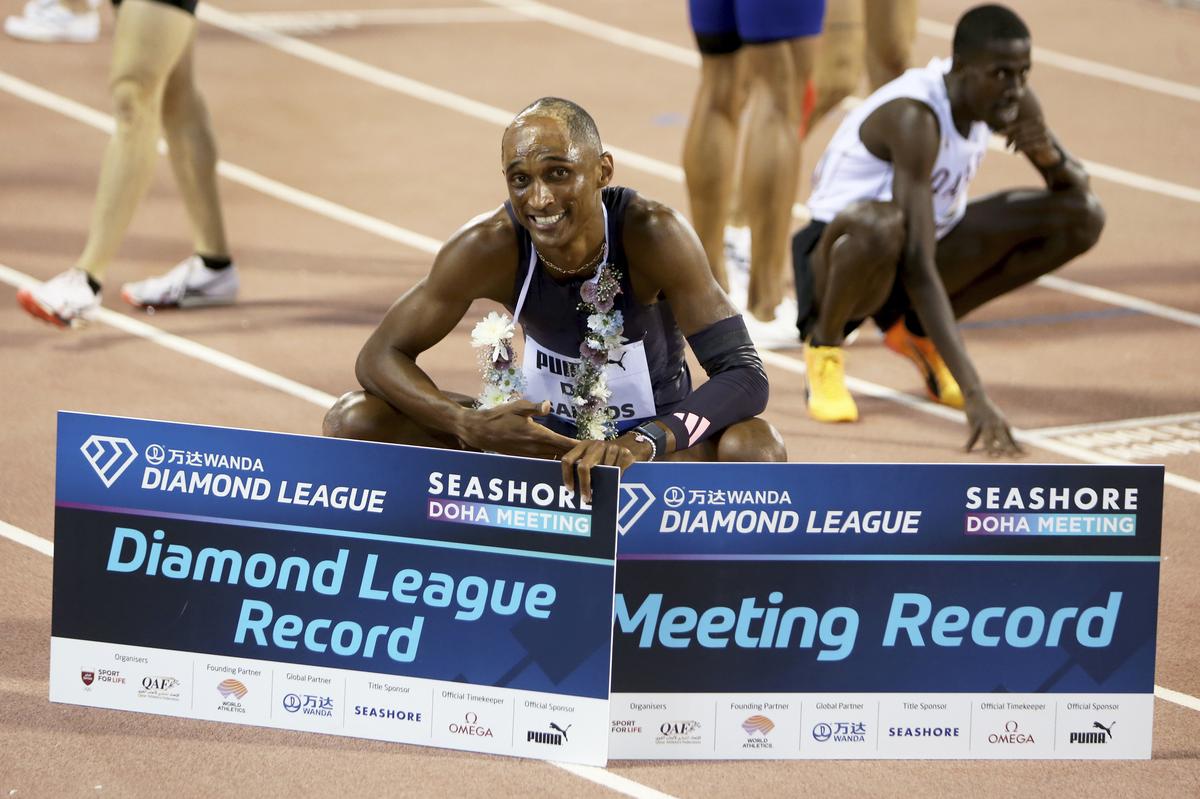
[
  {"x": 510, "y": 430},
  {"x": 989, "y": 429},
  {"x": 1030, "y": 135},
  {"x": 621, "y": 452}
]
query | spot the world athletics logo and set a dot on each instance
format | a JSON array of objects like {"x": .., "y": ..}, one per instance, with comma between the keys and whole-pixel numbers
[
  {"x": 758, "y": 724},
  {"x": 232, "y": 688}
]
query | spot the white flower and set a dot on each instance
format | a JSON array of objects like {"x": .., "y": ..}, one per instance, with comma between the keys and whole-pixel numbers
[
  {"x": 493, "y": 331},
  {"x": 601, "y": 390},
  {"x": 592, "y": 430},
  {"x": 491, "y": 396}
]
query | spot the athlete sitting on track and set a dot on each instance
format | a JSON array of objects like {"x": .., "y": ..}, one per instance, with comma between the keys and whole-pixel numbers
[
  {"x": 562, "y": 223},
  {"x": 892, "y": 222}
]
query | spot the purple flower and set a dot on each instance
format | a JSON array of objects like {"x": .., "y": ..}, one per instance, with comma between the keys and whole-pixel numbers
[
  {"x": 593, "y": 356},
  {"x": 503, "y": 360},
  {"x": 589, "y": 291}
]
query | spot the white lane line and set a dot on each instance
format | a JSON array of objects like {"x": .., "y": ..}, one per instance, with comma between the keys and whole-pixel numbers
[
  {"x": 597, "y": 775},
  {"x": 363, "y": 222},
  {"x": 488, "y": 113},
  {"x": 238, "y": 174},
  {"x": 599, "y": 30},
  {"x": 27, "y": 539},
  {"x": 1185, "y": 700},
  {"x": 868, "y": 389},
  {"x": 1082, "y": 66},
  {"x": 671, "y": 52},
  {"x": 626, "y": 786},
  {"x": 1108, "y": 297},
  {"x": 392, "y": 81},
  {"x": 686, "y": 55},
  {"x": 302, "y": 22},
  {"x": 188, "y": 347},
  {"x": 625, "y": 157},
  {"x": 1117, "y": 424}
]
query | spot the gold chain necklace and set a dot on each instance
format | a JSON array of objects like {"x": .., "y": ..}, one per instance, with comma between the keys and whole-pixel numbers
[{"x": 572, "y": 272}]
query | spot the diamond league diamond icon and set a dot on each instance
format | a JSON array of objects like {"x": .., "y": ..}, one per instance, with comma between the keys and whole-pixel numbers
[
  {"x": 636, "y": 499},
  {"x": 109, "y": 456}
]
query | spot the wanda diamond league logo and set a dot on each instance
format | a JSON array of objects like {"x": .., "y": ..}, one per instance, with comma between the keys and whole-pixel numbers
[
  {"x": 88, "y": 677},
  {"x": 108, "y": 456}
]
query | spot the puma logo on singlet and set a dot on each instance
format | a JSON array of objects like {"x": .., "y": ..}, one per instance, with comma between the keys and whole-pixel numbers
[
  {"x": 619, "y": 361},
  {"x": 557, "y": 366}
]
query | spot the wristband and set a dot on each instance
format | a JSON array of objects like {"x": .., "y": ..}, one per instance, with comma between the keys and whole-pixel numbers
[{"x": 653, "y": 435}]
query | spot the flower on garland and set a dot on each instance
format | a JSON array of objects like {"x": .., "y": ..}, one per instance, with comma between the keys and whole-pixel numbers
[
  {"x": 605, "y": 332},
  {"x": 502, "y": 381}
]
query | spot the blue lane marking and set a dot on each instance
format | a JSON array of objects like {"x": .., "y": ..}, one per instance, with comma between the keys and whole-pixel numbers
[
  {"x": 1051, "y": 319},
  {"x": 670, "y": 119}
]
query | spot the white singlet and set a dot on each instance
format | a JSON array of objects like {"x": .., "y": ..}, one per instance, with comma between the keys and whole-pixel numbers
[{"x": 848, "y": 172}]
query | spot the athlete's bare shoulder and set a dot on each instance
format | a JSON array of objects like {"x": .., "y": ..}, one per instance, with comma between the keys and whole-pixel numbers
[
  {"x": 651, "y": 224},
  {"x": 904, "y": 121},
  {"x": 480, "y": 258}
]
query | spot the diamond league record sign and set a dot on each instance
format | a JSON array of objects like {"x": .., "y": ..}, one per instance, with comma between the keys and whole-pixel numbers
[
  {"x": 404, "y": 594},
  {"x": 886, "y": 611}
]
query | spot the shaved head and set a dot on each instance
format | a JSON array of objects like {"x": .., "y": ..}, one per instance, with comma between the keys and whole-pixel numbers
[
  {"x": 983, "y": 25},
  {"x": 579, "y": 123}
]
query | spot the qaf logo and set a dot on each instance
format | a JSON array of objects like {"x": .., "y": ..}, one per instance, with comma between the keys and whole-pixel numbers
[
  {"x": 108, "y": 456},
  {"x": 636, "y": 499}
]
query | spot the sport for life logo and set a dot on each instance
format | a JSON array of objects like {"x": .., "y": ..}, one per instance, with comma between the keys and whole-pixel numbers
[{"x": 108, "y": 456}]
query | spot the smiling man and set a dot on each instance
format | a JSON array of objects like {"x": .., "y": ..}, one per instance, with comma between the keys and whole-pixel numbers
[
  {"x": 534, "y": 255},
  {"x": 894, "y": 237}
]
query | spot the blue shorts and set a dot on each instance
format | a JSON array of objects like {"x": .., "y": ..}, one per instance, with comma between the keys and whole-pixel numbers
[{"x": 722, "y": 26}]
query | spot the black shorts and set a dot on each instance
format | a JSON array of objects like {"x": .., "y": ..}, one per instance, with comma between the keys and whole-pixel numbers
[
  {"x": 185, "y": 5},
  {"x": 803, "y": 245}
]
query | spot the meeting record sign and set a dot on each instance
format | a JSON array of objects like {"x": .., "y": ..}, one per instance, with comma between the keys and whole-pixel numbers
[
  {"x": 404, "y": 594},
  {"x": 886, "y": 610}
]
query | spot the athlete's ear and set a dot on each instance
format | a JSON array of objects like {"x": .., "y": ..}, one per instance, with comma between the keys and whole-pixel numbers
[{"x": 606, "y": 168}]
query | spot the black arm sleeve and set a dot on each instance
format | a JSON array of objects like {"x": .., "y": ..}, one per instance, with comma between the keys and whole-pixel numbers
[{"x": 736, "y": 388}]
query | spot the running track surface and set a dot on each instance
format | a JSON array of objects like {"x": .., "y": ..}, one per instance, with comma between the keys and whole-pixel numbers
[{"x": 352, "y": 149}]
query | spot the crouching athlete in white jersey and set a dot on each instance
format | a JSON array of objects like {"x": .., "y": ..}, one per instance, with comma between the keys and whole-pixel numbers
[
  {"x": 533, "y": 255},
  {"x": 893, "y": 236}
]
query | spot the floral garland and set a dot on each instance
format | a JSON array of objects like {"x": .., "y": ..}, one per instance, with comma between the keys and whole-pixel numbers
[
  {"x": 502, "y": 381},
  {"x": 605, "y": 332}
]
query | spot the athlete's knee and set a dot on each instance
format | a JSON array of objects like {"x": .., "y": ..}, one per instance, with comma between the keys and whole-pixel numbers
[
  {"x": 354, "y": 415},
  {"x": 772, "y": 71},
  {"x": 134, "y": 98},
  {"x": 878, "y": 231},
  {"x": 720, "y": 85},
  {"x": 751, "y": 441},
  {"x": 1087, "y": 222}
]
